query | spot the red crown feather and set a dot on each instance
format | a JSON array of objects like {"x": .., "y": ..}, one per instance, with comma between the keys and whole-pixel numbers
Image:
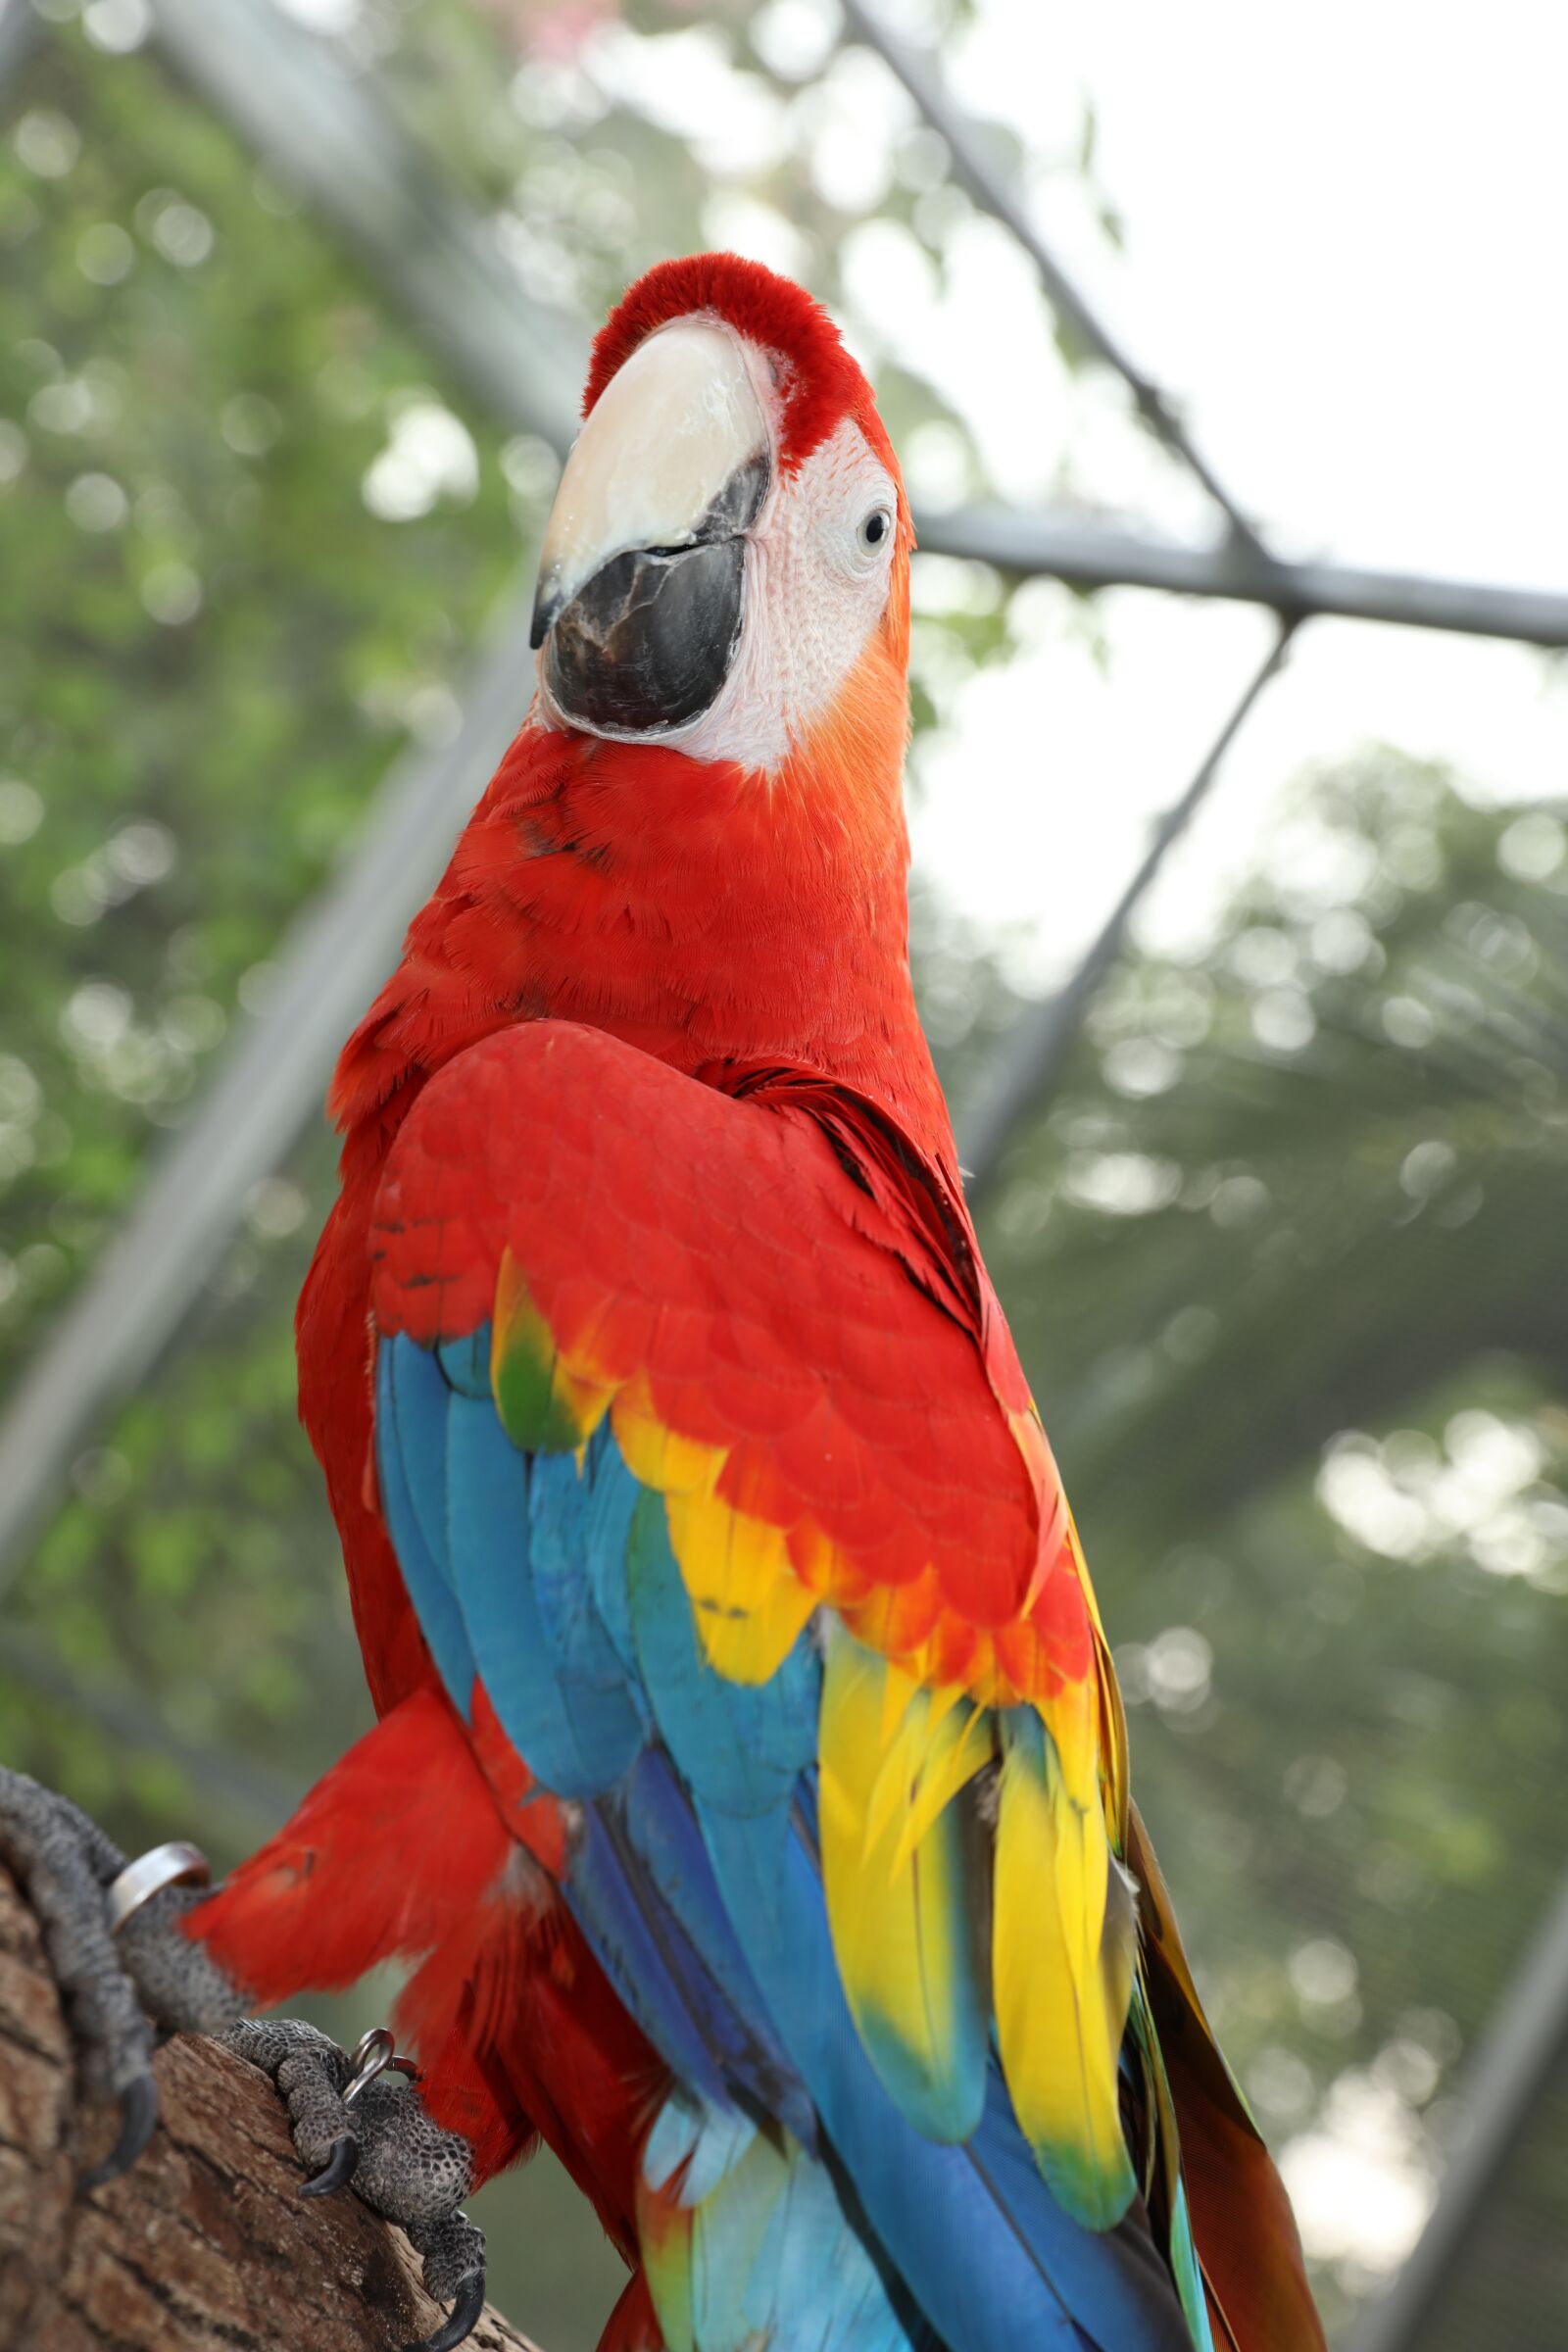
[{"x": 818, "y": 381}]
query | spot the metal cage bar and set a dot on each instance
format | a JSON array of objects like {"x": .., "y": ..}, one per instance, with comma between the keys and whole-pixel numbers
[
  {"x": 1064, "y": 547},
  {"x": 328, "y": 134},
  {"x": 21, "y": 30},
  {"x": 1526, "y": 2037},
  {"x": 1028, "y": 1066},
  {"x": 992, "y": 191}
]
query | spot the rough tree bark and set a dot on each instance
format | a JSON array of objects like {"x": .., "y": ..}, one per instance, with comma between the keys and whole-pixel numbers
[{"x": 204, "y": 2245}]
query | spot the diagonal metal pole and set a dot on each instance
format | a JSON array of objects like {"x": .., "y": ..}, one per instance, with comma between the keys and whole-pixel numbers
[
  {"x": 991, "y": 190},
  {"x": 267, "y": 1089},
  {"x": 1030, "y": 1060},
  {"x": 1526, "y": 2040},
  {"x": 20, "y": 31},
  {"x": 328, "y": 134}
]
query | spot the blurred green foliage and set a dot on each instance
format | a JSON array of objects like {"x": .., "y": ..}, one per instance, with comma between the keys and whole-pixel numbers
[
  {"x": 1284, "y": 1254},
  {"x": 206, "y": 658}
]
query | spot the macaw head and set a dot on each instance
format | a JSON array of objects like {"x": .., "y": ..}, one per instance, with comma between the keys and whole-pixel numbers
[{"x": 725, "y": 569}]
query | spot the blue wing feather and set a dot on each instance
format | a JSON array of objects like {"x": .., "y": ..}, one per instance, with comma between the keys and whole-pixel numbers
[
  {"x": 613, "y": 1498},
  {"x": 403, "y": 1375},
  {"x": 645, "y": 1953},
  {"x": 417, "y": 1391},
  {"x": 739, "y": 1748},
  {"x": 489, "y": 1542},
  {"x": 663, "y": 1834},
  {"x": 600, "y": 1701},
  {"x": 467, "y": 1363}
]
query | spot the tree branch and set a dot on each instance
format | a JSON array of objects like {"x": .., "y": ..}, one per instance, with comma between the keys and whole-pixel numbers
[{"x": 204, "y": 2246}]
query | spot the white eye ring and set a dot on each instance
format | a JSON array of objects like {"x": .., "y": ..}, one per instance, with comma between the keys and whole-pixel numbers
[{"x": 876, "y": 528}]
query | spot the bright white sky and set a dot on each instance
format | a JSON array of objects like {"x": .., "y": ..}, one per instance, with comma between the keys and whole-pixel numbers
[{"x": 1343, "y": 254}]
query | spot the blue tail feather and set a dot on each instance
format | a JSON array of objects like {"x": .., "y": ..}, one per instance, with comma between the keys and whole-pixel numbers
[
  {"x": 988, "y": 2254},
  {"x": 773, "y": 2258},
  {"x": 707, "y": 2141}
]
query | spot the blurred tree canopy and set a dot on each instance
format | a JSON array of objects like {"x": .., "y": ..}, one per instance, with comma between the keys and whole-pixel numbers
[{"x": 1284, "y": 1254}]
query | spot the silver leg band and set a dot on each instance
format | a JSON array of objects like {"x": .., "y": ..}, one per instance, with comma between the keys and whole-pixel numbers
[
  {"x": 177, "y": 1864},
  {"x": 372, "y": 2055}
]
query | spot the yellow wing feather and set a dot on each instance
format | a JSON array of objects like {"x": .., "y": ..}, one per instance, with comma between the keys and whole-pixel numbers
[
  {"x": 1061, "y": 2014},
  {"x": 898, "y": 1873}
]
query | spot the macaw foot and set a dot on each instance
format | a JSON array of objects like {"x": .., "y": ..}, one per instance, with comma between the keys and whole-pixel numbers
[
  {"x": 127, "y": 1977},
  {"x": 353, "y": 2124}
]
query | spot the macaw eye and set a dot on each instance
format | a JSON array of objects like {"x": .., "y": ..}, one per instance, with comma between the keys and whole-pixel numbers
[{"x": 874, "y": 528}]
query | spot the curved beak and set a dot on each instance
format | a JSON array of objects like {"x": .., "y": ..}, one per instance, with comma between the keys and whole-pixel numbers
[{"x": 641, "y": 575}]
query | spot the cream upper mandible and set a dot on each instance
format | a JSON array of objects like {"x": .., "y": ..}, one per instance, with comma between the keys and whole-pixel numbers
[{"x": 691, "y": 593}]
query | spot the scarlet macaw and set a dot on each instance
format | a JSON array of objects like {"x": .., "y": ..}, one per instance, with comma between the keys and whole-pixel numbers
[{"x": 751, "y": 1778}]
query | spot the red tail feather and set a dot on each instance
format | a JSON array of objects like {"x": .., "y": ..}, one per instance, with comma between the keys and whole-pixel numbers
[
  {"x": 401, "y": 1854},
  {"x": 1241, "y": 2219}
]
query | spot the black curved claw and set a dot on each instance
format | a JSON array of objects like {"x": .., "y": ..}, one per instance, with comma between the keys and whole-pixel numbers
[
  {"x": 338, "y": 2170},
  {"x": 461, "y": 2321},
  {"x": 138, "y": 2113}
]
